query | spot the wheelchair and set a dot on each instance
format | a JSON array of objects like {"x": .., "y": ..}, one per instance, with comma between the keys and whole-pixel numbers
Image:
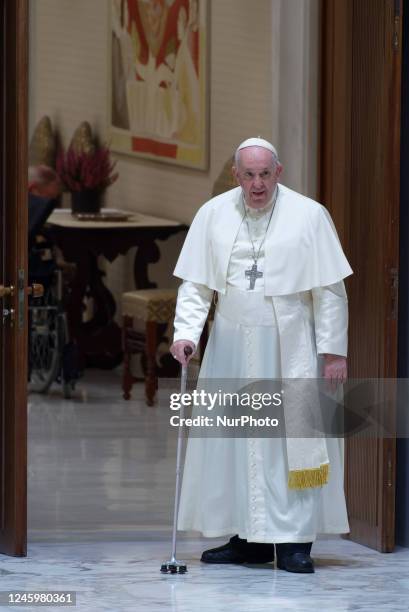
[{"x": 52, "y": 355}]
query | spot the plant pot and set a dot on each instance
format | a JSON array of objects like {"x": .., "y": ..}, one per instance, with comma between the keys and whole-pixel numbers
[{"x": 87, "y": 201}]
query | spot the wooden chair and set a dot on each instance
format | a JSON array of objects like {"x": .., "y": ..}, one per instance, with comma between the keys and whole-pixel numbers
[{"x": 152, "y": 307}]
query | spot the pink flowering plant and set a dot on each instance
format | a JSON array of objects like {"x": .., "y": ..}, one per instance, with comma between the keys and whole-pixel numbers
[{"x": 80, "y": 171}]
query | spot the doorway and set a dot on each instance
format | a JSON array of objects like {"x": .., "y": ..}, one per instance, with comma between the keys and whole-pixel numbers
[
  {"x": 402, "y": 449},
  {"x": 13, "y": 276},
  {"x": 361, "y": 96}
]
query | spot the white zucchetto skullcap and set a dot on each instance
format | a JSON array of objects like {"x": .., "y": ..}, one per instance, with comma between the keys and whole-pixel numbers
[{"x": 258, "y": 142}]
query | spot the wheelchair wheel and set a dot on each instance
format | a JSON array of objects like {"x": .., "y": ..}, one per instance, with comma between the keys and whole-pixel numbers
[{"x": 44, "y": 345}]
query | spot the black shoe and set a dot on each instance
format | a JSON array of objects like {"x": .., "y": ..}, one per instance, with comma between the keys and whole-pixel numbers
[
  {"x": 295, "y": 557},
  {"x": 238, "y": 550}
]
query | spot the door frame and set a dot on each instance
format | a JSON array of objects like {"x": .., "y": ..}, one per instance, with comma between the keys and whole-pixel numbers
[
  {"x": 338, "y": 178},
  {"x": 14, "y": 215}
]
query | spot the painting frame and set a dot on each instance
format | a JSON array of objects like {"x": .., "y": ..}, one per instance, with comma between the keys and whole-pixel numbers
[{"x": 178, "y": 132}]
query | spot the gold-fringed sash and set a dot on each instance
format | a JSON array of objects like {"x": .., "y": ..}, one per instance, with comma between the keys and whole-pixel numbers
[{"x": 311, "y": 477}]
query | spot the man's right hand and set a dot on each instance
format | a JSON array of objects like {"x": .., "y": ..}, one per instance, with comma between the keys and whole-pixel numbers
[{"x": 178, "y": 351}]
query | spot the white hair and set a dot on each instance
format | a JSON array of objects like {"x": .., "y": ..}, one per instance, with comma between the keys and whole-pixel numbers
[{"x": 42, "y": 175}]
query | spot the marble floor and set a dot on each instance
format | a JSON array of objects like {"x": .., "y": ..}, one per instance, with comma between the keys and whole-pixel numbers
[{"x": 101, "y": 479}]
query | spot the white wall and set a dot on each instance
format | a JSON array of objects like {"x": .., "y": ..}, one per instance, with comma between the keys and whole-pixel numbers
[
  {"x": 263, "y": 82},
  {"x": 298, "y": 101}
]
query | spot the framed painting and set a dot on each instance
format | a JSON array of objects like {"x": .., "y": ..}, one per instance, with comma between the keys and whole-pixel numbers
[{"x": 159, "y": 80}]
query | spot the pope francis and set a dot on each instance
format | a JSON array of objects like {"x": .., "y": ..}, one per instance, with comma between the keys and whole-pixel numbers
[{"x": 275, "y": 261}]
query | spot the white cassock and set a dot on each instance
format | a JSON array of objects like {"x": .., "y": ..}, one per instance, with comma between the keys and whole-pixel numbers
[{"x": 240, "y": 485}]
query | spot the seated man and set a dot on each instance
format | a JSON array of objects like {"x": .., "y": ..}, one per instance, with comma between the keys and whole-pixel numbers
[
  {"x": 44, "y": 188},
  {"x": 44, "y": 182}
]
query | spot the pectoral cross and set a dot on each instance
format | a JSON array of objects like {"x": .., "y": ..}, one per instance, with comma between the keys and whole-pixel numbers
[{"x": 253, "y": 274}]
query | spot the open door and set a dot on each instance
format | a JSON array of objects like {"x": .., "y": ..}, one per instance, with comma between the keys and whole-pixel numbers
[
  {"x": 13, "y": 277},
  {"x": 360, "y": 174}
]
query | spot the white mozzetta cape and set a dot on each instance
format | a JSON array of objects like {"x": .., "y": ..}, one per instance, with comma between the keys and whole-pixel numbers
[
  {"x": 302, "y": 252},
  {"x": 302, "y": 247}
]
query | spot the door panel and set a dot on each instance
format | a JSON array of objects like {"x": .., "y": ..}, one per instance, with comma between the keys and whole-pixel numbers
[
  {"x": 361, "y": 80},
  {"x": 13, "y": 272}
]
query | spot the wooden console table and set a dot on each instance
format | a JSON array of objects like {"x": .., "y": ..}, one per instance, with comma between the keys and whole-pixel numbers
[{"x": 81, "y": 242}]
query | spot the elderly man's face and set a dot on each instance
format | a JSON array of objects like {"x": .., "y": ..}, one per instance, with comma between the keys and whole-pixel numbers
[
  {"x": 50, "y": 190},
  {"x": 257, "y": 174}
]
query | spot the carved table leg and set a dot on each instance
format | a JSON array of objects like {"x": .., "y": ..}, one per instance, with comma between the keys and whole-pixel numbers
[
  {"x": 150, "y": 377},
  {"x": 127, "y": 378},
  {"x": 147, "y": 252},
  {"x": 99, "y": 339}
]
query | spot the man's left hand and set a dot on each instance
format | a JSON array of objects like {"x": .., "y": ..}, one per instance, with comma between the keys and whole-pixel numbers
[{"x": 335, "y": 370}]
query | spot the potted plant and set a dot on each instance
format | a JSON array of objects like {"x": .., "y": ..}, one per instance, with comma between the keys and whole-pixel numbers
[{"x": 86, "y": 174}]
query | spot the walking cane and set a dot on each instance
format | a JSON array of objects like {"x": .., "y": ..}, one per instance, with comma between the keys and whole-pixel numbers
[{"x": 173, "y": 566}]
